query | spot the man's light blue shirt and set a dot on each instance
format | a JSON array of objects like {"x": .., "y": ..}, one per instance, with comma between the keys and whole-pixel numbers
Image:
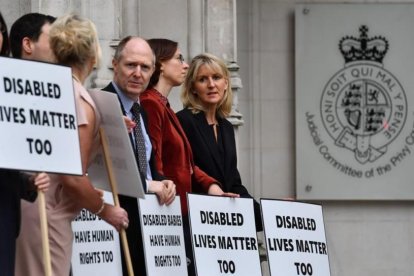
[{"x": 127, "y": 104}]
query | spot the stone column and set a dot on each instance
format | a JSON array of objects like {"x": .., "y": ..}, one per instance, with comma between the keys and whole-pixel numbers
[
  {"x": 196, "y": 18},
  {"x": 130, "y": 17},
  {"x": 109, "y": 22},
  {"x": 236, "y": 118},
  {"x": 221, "y": 40}
]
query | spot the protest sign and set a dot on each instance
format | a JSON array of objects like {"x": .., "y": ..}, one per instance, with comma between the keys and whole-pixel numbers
[
  {"x": 39, "y": 130},
  {"x": 96, "y": 248},
  {"x": 162, "y": 230},
  {"x": 121, "y": 153},
  {"x": 223, "y": 235},
  {"x": 295, "y": 238}
]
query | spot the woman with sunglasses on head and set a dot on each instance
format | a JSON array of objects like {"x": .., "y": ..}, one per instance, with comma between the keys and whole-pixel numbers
[
  {"x": 207, "y": 98},
  {"x": 14, "y": 185},
  {"x": 173, "y": 155}
]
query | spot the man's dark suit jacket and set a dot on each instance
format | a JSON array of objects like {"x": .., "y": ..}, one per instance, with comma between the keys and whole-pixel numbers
[
  {"x": 220, "y": 165},
  {"x": 130, "y": 204},
  {"x": 13, "y": 186}
]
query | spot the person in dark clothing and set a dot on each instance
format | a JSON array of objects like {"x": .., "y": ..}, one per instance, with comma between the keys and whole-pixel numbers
[{"x": 207, "y": 98}]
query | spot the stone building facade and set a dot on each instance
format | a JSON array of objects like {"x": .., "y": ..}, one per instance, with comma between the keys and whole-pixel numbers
[{"x": 256, "y": 38}]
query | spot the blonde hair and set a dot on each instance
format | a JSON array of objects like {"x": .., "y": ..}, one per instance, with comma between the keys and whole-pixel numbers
[
  {"x": 188, "y": 95},
  {"x": 74, "y": 41}
]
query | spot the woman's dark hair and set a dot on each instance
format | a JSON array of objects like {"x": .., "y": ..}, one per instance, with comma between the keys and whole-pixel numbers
[
  {"x": 164, "y": 49},
  {"x": 5, "y": 48}
]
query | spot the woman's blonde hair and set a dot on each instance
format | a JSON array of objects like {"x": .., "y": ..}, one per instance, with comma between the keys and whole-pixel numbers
[
  {"x": 188, "y": 95},
  {"x": 74, "y": 41}
]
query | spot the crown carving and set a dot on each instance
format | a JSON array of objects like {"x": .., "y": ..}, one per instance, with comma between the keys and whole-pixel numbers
[{"x": 363, "y": 48}]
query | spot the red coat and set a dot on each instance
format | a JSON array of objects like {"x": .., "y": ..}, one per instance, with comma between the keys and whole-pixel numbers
[{"x": 173, "y": 155}]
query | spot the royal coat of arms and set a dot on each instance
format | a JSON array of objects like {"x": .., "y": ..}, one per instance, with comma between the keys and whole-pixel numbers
[{"x": 363, "y": 106}]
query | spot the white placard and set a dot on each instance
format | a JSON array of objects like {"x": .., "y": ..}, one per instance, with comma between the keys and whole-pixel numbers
[
  {"x": 38, "y": 123},
  {"x": 223, "y": 235},
  {"x": 96, "y": 247},
  {"x": 162, "y": 230},
  {"x": 295, "y": 238},
  {"x": 120, "y": 148}
]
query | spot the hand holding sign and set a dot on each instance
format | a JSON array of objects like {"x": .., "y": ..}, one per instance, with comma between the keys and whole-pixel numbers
[
  {"x": 42, "y": 181},
  {"x": 215, "y": 189},
  {"x": 165, "y": 190},
  {"x": 115, "y": 216}
]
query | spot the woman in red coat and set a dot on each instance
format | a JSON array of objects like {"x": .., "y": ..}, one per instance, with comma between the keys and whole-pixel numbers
[{"x": 173, "y": 155}]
